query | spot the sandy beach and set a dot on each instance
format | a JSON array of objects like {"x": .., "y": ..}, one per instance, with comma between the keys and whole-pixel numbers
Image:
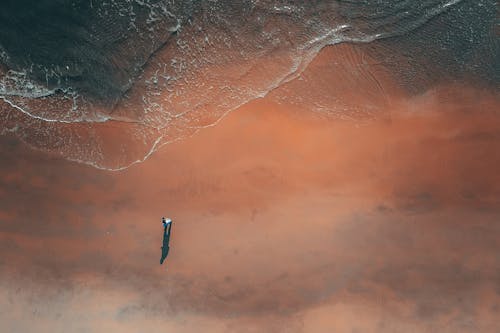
[{"x": 286, "y": 219}]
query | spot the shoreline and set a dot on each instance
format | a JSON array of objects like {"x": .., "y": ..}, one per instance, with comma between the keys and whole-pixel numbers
[{"x": 283, "y": 220}]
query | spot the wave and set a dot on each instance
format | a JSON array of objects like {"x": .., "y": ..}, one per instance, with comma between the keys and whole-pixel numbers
[{"x": 167, "y": 70}]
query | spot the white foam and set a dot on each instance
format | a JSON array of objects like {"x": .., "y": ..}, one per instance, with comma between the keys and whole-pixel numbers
[{"x": 17, "y": 83}]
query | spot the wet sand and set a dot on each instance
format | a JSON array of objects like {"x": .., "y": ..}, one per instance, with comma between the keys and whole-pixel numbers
[{"x": 285, "y": 220}]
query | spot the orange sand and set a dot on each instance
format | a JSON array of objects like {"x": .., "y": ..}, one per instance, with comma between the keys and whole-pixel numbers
[{"x": 284, "y": 221}]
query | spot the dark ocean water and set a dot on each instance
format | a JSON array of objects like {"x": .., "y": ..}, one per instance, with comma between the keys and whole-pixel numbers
[{"x": 164, "y": 69}]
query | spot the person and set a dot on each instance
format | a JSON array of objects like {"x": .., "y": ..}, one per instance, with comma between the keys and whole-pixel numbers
[{"x": 167, "y": 228}]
